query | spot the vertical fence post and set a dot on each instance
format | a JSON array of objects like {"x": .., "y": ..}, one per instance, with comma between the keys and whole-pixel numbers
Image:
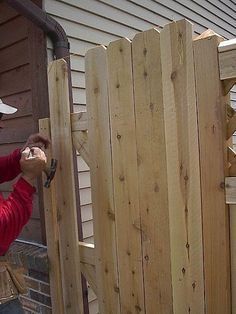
[
  {"x": 211, "y": 106},
  {"x": 100, "y": 161},
  {"x": 65, "y": 186},
  {"x": 152, "y": 172},
  {"x": 183, "y": 175},
  {"x": 125, "y": 176},
  {"x": 50, "y": 212}
]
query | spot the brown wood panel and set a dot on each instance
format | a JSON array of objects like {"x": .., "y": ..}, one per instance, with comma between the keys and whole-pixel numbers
[
  {"x": 13, "y": 31},
  {"x": 23, "y": 84},
  {"x": 15, "y": 81},
  {"x": 32, "y": 231},
  {"x": 7, "y": 13},
  {"x": 22, "y": 101},
  {"x": 8, "y": 148},
  {"x": 16, "y": 130},
  {"x": 14, "y": 56},
  {"x": 38, "y": 72}
]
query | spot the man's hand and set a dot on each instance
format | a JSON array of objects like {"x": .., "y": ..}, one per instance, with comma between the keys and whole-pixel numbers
[
  {"x": 33, "y": 163},
  {"x": 36, "y": 140}
]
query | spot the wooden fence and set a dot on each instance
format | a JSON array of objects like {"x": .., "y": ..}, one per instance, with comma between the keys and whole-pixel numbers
[{"x": 155, "y": 138}]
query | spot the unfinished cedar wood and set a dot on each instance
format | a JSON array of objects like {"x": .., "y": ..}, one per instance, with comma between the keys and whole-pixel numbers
[
  {"x": 65, "y": 197},
  {"x": 49, "y": 199},
  {"x": 125, "y": 176},
  {"x": 152, "y": 181},
  {"x": 213, "y": 161},
  {"x": 183, "y": 174},
  {"x": 122, "y": 139},
  {"x": 99, "y": 142}
]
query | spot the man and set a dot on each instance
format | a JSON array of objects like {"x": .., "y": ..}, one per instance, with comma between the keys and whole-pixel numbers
[{"x": 15, "y": 211}]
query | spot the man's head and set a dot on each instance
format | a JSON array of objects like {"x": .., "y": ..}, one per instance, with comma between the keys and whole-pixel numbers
[{"x": 6, "y": 109}]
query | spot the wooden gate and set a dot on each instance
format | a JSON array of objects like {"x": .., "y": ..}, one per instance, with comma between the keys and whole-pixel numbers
[{"x": 155, "y": 137}]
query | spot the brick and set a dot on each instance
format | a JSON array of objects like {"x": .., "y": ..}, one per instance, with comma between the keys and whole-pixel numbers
[
  {"x": 41, "y": 298},
  {"x": 31, "y": 283},
  {"x": 41, "y": 262},
  {"x": 45, "y": 288},
  {"x": 39, "y": 276},
  {"x": 31, "y": 256},
  {"x": 46, "y": 310},
  {"x": 30, "y": 305}
]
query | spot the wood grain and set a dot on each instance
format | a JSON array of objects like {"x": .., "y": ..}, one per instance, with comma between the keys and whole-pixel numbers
[
  {"x": 100, "y": 155},
  {"x": 211, "y": 106},
  {"x": 125, "y": 176},
  {"x": 52, "y": 235},
  {"x": 65, "y": 186},
  {"x": 152, "y": 172},
  {"x": 183, "y": 174}
]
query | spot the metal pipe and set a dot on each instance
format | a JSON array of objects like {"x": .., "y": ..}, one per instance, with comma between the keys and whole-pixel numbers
[{"x": 44, "y": 21}]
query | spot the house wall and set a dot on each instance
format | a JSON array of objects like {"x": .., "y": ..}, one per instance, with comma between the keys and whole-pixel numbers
[
  {"x": 20, "y": 71},
  {"x": 91, "y": 22}
]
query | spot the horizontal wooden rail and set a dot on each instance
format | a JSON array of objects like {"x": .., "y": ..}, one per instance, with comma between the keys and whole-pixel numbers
[
  {"x": 231, "y": 126},
  {"x": 87, "y": 263},
  {"x": 227, "y": 63},
  {"x": 227, "y": 45},
  {"x": 79, "y": 121},
  {"x": 87, "y": 253},
  {"x": 230, "y": 190},
  {"x": 79, "y": 127}
]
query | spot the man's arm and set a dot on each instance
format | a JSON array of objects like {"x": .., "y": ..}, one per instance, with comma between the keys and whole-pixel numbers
[
  {"x": 15, "y": 212},
  {"x": 10, "y": 166}
]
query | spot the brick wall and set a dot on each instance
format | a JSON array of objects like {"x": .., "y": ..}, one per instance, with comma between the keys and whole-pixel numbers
[{"x": 35, "y": 263}]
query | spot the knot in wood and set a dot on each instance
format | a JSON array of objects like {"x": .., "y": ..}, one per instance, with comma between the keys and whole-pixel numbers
[
  {"x": 96, "y": 89},
  {"x": 138, "y": 308},
  {"x": 146, "y": 257},
  {"x": 173, "y": 75},
  {"x": 121, "y": 178},
  {"x": 116, "y": 289},
  {"x": 222, "y": 185}
]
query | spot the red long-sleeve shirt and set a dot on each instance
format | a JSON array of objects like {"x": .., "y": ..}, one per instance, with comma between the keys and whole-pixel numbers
[{"x": 16, "y": 210}]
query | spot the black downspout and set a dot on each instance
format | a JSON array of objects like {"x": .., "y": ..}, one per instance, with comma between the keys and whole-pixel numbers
[
  {"x": 61, "y": 50},
  {"x": 44, "y": 21}
]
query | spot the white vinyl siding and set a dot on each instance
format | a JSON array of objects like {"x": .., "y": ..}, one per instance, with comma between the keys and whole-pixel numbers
[{"x": 93, "y": 22}]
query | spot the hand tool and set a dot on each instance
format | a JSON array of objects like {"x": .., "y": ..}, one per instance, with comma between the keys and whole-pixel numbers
[{"x": 49, "y": 171}]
